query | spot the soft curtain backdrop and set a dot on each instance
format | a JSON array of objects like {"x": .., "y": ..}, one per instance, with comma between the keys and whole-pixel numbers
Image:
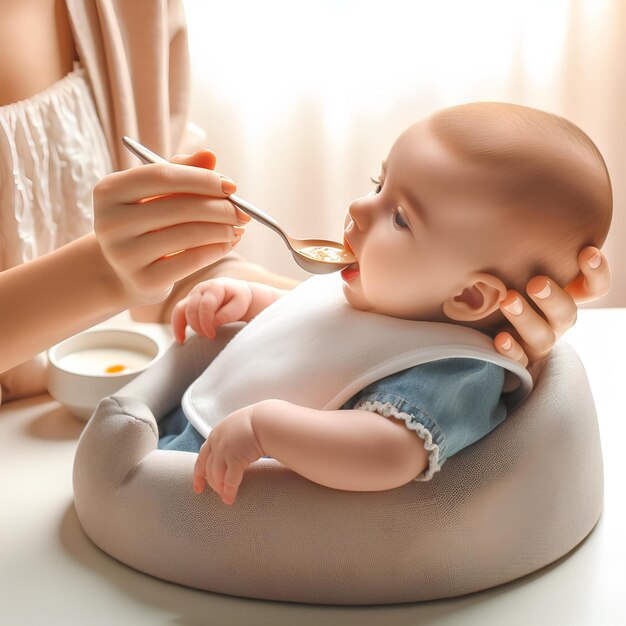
[{"x": 302, "y": 101}]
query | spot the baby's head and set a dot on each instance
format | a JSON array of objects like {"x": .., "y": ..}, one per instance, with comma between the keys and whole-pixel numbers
[{"x": 471, "y": 201}]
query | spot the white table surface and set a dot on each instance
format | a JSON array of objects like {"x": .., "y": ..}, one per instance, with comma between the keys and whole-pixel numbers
[{"x": 50, "y": 572}]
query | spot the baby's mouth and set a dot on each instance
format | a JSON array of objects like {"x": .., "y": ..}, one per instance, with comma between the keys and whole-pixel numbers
[
  {"x": 351, "y": 272},
  {"x": 348, "y": 247}
]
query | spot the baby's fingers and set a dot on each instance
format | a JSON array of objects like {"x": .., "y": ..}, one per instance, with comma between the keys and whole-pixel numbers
[
  {"x": 232, "y": 480},
  {"x": 206, "y": 310},
  {"x": 179, "y": 320},
  {"x": 199, "y": 469},
  {"x": 200, "y": 310},
  {"x": 233, "y": 310},
  {"x": 217, "y": 471}
]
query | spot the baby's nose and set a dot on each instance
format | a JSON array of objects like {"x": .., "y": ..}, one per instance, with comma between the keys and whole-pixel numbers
[{"x": 359, "y": 212}]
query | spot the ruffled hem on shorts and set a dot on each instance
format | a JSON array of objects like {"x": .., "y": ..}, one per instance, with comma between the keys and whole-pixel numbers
[{"x": 387, "y": 409}]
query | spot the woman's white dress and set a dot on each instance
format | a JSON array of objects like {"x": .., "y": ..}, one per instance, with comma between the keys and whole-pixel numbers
[{"x": 53, "y": 151}]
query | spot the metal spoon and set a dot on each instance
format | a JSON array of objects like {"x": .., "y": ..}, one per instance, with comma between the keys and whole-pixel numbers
[{"x": 317, "y": 256}]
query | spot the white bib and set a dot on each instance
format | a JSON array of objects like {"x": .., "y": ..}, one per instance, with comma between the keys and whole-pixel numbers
[{"x": 313, "y": 349}]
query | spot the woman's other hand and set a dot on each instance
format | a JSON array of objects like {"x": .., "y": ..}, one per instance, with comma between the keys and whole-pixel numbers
[
  {"x": 533, "y": 337},
  {"x": 156, "y": 224}
]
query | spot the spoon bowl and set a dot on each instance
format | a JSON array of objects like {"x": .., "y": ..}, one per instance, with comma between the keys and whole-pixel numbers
[
  {"x": 316, "y": 256},
  {"x": 320, "y": 256}
]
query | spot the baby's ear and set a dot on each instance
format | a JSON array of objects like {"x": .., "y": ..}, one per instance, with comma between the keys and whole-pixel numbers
[{"x": 480, "y": 298}]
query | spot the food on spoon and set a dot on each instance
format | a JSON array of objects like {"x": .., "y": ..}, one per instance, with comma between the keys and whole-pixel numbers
[{"x": 326, "y": 253}]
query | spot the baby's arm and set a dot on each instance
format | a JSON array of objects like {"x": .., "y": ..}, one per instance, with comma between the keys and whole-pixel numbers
[
  {"x": 219, "y": 301},
  {"x": 350, "y": 450}
]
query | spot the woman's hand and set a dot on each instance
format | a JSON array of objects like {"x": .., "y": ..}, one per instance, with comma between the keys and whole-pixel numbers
[
  {"x": 156, "y": 224},
  {"x": 535, "y": 337}
]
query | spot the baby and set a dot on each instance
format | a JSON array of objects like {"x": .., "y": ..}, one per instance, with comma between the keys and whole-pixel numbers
[{"x": 427, "y": 245}]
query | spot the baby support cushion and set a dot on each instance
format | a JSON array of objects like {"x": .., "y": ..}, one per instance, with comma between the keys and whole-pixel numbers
[
  {"x": 313, "y": 349},
  {"x": 511, "y": 503}
]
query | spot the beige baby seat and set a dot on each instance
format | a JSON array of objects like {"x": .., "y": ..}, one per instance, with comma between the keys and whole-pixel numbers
[{"x": 511, "y": 503}]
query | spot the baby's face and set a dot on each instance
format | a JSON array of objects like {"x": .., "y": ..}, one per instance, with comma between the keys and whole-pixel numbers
[{"x": 419, "y": 235}]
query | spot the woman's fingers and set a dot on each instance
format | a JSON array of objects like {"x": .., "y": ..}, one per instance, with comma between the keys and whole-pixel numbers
[
  {"x": 157, "y": 224},
  {"x": 123, "y": 222},
  {"x": 156, "y": 179},
  {"x": 176, "y": 209},
  {"x": 166, "y": 242},
  {"x": 201, "y": 158},
  {"x": 154, "y": 282},
  {"x": 536, "y": 337},
  {"x": 508, "y": 346},
  {"x": 206, "y": 159},
  {"x": 140, "y": 251},
  {"x": 594, "y": 281},
  {"x": 555, "y": 303}
]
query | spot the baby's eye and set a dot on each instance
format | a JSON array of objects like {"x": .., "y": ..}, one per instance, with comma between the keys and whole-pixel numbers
[
  {"x": 378, "y": 183},
  {"x": 398, "y": 220}
]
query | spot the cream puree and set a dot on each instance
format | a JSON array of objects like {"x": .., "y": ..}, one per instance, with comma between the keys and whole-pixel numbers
[{"x": 327, "y": 254}]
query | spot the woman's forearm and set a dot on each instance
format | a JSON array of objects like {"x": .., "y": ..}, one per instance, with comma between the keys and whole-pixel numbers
[
  {"x": 348, "y": 449},
  {"x": 54, "y": 297}
]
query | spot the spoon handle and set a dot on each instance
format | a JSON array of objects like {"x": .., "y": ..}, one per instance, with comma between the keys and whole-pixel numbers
[
  {"x": 258, "y": 215},
  {"x": 141, "y": 152},
  {"x": 147, "y": 156}
]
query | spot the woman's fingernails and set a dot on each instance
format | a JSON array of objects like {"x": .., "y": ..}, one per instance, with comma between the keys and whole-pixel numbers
[
  {"x": 238, "y": 230},
  {"x": 515, "y": 308},
  {"x": 228, "y": 186},
  {"x": 544, "y": 293},
  {"x": 507, "y": 343},
  {"x": 234, "y": 242},
  {"x": 594, "y": 261},
  {"x": 241, "y": 216}
]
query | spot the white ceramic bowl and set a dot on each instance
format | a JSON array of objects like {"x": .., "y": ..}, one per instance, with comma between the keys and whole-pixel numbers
[{"x": 77, "y": 375}]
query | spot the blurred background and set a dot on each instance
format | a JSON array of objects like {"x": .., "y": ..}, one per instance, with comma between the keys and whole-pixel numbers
[{"x": 302, "y": 101}]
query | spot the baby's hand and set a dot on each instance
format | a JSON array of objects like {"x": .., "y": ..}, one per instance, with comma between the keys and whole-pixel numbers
[
  {"x": 232, "y": 445},
  {"x": 211, "y": 304}
]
